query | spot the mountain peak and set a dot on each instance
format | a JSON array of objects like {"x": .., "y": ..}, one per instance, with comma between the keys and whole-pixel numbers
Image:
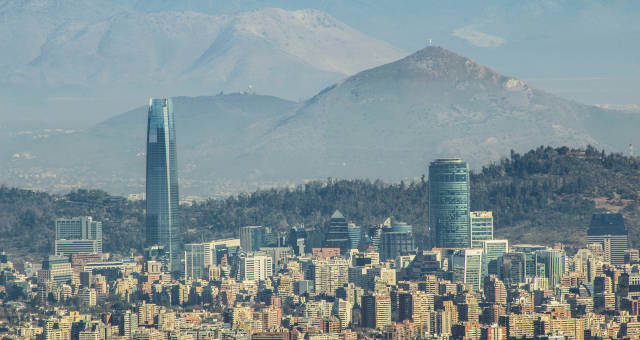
[
  {"x": 439, "y": 63},
  {"x": 435, "y": 52}
]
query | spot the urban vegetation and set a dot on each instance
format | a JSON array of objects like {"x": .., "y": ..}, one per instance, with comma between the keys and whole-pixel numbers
[{"x": 546, "y": 195}]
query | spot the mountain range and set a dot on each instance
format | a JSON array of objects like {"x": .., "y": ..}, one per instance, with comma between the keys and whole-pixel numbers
[
  {"x": 583, "y": 50},
  {"x": 386, "y": 122},
  {"x": 81, "y": 62}
]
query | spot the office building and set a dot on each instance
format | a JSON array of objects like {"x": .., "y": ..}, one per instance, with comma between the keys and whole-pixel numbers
[
  {"x": 529, "y": 251},
  {"x": 78, "y": 228},
  {"x": 553, "y": 262},
  {"x": 468, "y": 266},
  {"x": 215, "y": 250},
  {"x": 481, "y": 227},
  {"x": 56, "y": 268},
  {"x": 71, "y": 247},
  {"x": 338, "y": 233},
  {"x": 396, "y": 240},
  {"x": 194, "y": 260},
  {"x": 354, "y": 235},
  {"x": 279, "y": 255},
  {"x": 449, "y": 203},
  {"x": 255, "y": 266},
  {"x": 609, "y": 230},
  {"x": 77, "y": 235},
  {"x": 493, "y": 249},
  {"x": 512, "y": 268},
  {"x": 252, "y": 237},
  {"x": 162, "y": 219}
]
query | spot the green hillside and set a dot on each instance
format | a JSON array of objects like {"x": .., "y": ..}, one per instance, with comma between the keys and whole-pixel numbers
[{"x": 544, "y": 196}]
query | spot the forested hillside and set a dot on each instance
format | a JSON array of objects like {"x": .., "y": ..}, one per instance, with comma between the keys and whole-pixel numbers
[{"x": 546, "y": 195}]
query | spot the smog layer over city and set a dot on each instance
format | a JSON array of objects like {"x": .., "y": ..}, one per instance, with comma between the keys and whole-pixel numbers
[{"x": 319, "y": 170}]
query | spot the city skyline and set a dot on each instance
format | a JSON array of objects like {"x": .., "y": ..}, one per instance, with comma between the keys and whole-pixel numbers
[{"x": 325, "y": 170}]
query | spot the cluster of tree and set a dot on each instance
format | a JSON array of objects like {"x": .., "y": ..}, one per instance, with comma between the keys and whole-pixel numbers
[{"x": 545, "y": 195}]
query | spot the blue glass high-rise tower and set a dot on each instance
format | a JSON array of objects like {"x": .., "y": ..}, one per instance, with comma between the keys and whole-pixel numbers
[
  {"x": 449, "y": 203},
  {"x": 162, "y": 219}
]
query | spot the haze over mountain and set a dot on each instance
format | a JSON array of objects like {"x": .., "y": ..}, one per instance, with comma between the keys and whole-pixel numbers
[
  {"x": 389, "y": 121},
  {"x": 69, "y": 64},
  {"x": 74, "y": 62},
  {"x": 386, "y": 122},
  {"x": 583, "y": 50}
]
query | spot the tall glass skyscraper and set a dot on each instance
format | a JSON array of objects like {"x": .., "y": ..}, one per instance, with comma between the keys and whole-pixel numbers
[
  {"x": 162, "y": 220},
  {"x": 449, "y": 203}
]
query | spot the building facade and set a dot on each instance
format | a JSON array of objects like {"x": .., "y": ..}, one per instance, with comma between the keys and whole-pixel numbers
[
  {"x": 56, "y": 268},
  {"x": 449, "y": 203},
  {"x": 481, "y": 227},
  {"x": 609, "y": 230},
  {"x": 354, "y": 235},
  {"x": 252, "y": 237},
  {"x": 338, "y": 233},
  {"x": 194, "y": 260},
  {"x": 162, "y": 220},
  {"x": 553, "y": 263},
  {"x": 396, "y": 241},
  {"x": 493, "y": 250},
  {"x": 329, "y": 275},
  {"x": 529, "y": 251},
  {"x": 77, "y": 235},
  {"x": 255, "y": 267},
  {"x": 376, "y": 310},
  {"x": 468, "y": 266}
]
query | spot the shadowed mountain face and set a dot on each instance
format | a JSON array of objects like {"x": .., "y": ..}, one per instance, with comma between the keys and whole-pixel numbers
[{"x": 386, "y": 122}]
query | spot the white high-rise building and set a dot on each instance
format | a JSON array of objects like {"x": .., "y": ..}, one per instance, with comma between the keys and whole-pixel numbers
[
  {"x": 481, "y": 227},
  {"x": 255, "y": 266},
  {"x": 468, "y": 266},
  {"x": 342, "y": 309}
]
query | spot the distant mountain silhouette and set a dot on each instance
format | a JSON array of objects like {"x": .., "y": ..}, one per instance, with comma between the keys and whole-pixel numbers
[
  {"x": 61, "y": 51},
  {"x": 391, "y": 120},
  {"x": 387, "y": 122}
]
